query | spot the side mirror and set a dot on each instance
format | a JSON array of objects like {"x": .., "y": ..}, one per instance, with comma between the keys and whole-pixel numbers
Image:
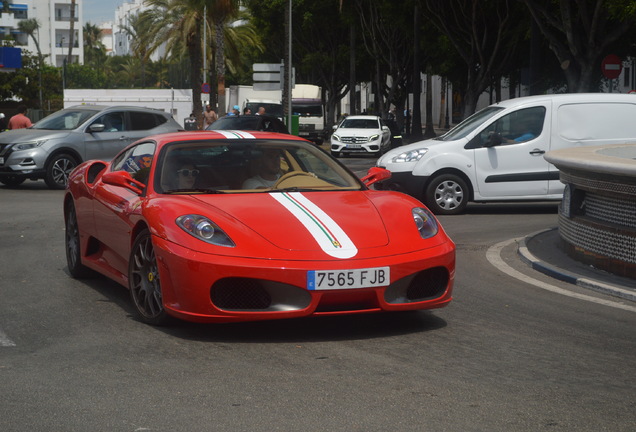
[
  {"x": 376, "y": 174},
  {"x": 334, "y": 127},
  {"x": 494, "y": 139},
  {"x": 97, "y": 127},
  {"x": 123, "y": 179}
]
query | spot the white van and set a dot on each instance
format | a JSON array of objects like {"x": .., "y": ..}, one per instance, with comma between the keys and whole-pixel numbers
[{"x": 497, "y": 153}]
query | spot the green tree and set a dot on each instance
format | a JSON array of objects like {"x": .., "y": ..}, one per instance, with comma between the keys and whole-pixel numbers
[
  {"x": 94, "y": 48},
  {"x": 71, "y": 41},
  {"x": 179, "y": 24},
  {"x": 485, "y": 34},
  {"x": 581, "y": 32},
  {"x": 221, "y": 12},
  {"x": 142, "y": 35},
  {"x": 30, "y": 27}
]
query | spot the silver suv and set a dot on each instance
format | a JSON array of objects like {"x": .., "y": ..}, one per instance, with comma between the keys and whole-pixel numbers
[{"x": 52, "y": 147}]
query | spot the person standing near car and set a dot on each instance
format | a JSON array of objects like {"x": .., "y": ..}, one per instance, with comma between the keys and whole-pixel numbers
[
  {"x": 20, "y": 120},
  {"x": 209, "y": 116}
]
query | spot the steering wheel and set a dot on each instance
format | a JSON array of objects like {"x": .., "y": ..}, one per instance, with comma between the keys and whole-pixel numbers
[{"x": 290, "y": 175}]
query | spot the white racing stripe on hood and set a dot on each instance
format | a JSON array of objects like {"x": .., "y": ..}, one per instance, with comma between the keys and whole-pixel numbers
[
  {"x": 233, "y": 134},
  {"x": 329, "y": 236}
]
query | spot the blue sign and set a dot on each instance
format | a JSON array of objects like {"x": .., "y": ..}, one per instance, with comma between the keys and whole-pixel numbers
[{"x": 10, "y": 58}]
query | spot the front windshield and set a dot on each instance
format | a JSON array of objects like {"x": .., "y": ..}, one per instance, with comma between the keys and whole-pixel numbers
[
  {"x": 470, "y": 124},
  {"x": 249, "y": 166},
  {"x": 307, "y": 110},
  {"x": 235, "y": 123},
  {"x": 66, "y": 119},
  {"x": 359, "y": 124}
]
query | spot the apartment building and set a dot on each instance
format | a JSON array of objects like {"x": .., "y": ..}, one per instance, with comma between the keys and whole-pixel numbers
[{"x": 54, "y": 17}]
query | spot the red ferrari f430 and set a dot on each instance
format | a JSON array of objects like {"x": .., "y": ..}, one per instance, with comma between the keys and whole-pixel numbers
[{"x": 226, "y": 226}]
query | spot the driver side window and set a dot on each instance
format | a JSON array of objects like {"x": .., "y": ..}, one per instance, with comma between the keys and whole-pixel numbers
[
  {"x": 517, "y": 127},
  {"x": 113, "y": 121},
  {"x": 136, "y": 161}
]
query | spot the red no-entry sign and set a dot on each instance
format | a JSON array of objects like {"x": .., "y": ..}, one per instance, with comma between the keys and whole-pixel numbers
[{"x": 611, "y": 66}]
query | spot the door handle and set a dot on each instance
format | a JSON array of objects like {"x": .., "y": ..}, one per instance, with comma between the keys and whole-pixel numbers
[{"x": 536, "y": 152}]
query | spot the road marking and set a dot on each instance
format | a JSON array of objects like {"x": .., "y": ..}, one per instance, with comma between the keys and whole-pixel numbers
[
  {"x": 494, "y": 257},
  {"x": 5, "y": 341}
]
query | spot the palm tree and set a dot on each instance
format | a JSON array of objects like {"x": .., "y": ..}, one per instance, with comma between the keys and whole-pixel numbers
[
  {"x": 71, "y": 38},
  {"x": 94, "y": 48},
  {"x": 140, "y": 29},
  {"x": 220, "y": 12},
  {"x": 179, "y": 24},
  {"x": 239, "y": 36},
  {"x": 30, "y": 27}
]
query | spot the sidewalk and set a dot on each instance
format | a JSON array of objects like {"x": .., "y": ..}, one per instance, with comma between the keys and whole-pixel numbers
[{"x": 543, "y": 252}]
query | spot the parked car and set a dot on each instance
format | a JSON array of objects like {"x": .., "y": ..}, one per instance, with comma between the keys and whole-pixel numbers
[
  {"x": 363, "y": 134},
  {"x": 53, "y": 146},
  {"x": 188, "y": 222},
  {"x": 497, "y": 153},
  {"x": 265, "y": 123}
]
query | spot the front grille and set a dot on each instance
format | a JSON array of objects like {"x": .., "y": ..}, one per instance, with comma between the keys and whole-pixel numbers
[
  {"x": 240, "y": 294},
  {"x": 354, "y": 140},
  {"x": 428, "y": 284}
]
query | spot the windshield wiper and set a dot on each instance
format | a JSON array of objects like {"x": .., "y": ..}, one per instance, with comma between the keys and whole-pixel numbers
[
  {"x": 196, "y": 190},
  {"x": 296, "y": 189}
]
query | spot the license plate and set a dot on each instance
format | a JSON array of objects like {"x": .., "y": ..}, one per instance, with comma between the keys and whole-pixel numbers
[
  {"x": 303, "y": 133},
  {"x": 348, "y": 279},
  {"x": 354, "y": 146}
]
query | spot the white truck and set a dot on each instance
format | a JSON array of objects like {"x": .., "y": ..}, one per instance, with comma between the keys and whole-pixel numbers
[
  {"x": 177, "y": 102},
  {"x": 307, "y": 104},
  {"x": 245, "y": 96}
]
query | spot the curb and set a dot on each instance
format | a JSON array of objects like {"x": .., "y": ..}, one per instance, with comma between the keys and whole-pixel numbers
[{"x": 569, "y": 277}]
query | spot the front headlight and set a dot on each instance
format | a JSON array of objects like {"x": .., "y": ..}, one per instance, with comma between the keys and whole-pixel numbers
[
  {"x": 410, "y": 156},
  {"x": 374, "y": 137},
  {"x": 425, "y": 222},
  {"x": 204, "y": 229},
  {"x": 335, "y": 137},
  {"x": 28, "y": 145}
]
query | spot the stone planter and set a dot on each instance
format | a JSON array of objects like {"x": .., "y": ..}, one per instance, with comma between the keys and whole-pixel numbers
[{"x": 597, "y": 217}]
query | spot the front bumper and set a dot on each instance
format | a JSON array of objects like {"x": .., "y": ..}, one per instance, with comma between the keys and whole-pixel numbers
[
  {"x": 22, "y": 164},
  {"x": 405, "y": 182},
  {"x": 212, "y": 288},
  {"x": 368, "y": 148}
]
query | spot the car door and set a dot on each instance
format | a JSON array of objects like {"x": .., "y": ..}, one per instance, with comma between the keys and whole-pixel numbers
[
  {"x": 106, "y": 143},
  {"x": 116, "y": 209},
  {"x": 508, "y": 154}
]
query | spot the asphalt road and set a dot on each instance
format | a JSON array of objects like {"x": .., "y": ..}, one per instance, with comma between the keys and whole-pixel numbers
[{"x": 504, "y": 356}]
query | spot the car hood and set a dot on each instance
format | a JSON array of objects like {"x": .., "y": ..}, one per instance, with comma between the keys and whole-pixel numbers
[
  {"x": 338, "y": 223},
  {"x": 357, "y": 132},
  {"x": 386, "y": 159},
  {"x": 24, "y": 135}
]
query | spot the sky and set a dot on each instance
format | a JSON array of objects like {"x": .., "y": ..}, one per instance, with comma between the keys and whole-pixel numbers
[{"x": 98, "y": 11}]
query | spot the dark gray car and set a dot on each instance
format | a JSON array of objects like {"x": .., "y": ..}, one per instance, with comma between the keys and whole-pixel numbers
[{"x": 52, "y": 147}]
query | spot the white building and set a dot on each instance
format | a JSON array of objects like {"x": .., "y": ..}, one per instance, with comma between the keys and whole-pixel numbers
[
  {"x": 54, "y": 17},
  {"x": 121, "y": 39}
]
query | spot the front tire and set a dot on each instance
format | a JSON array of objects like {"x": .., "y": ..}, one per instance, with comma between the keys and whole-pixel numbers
[
  {"x": 447, "y": 194},
  {"x": 58, "y": 169},
  {"x": 72, "y": 246},
  {"x": 144, "y": 282}
]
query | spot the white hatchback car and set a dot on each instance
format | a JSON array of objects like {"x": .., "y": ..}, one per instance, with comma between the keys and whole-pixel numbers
[{"x": 361, "y": 134}]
